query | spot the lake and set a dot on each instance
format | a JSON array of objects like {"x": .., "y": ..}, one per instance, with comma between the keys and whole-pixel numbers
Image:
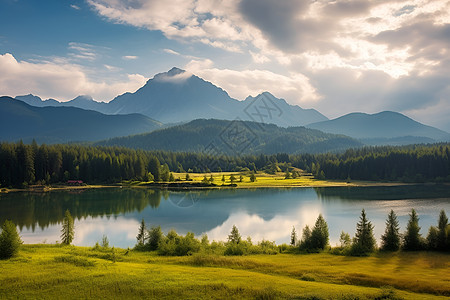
[{"x": 260, "y": 213}]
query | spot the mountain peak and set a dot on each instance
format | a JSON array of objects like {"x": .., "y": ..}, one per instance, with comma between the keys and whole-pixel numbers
[
  {"x": 175, "y": 71},
  {"x": 174, "y": 75},
  {"x": 83, "y": 98}
]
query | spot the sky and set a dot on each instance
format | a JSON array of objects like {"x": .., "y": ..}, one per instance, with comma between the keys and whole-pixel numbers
[{"x": 335, "y": 56}]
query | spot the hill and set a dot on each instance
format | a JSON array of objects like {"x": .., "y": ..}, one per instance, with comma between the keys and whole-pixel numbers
[
  {"x": 19, "y": 120},
  {"x": 382, "y": 128},
  {"x": 236, "y": 137}
]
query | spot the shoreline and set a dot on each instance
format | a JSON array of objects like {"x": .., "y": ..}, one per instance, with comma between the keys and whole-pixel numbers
[{"x": 193, "y": 186}]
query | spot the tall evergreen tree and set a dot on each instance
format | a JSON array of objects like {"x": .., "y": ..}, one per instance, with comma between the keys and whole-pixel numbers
[
  {"x": 412, "y": 239},
  {"x": 319, "y": 234},
  {"x": 9, "y": 240},
  {"x": 443, "y": 243},
  {"x": 305, "y": 243},
  {"x": 141, "y": 237},
  {"x": 293, "y": 236},
  {"x": 364, "y": 242},
  {"x": 234, "y": 236},
  {"x": 68, "y": 229},
  {"x": 154, "y": 167},
  {"x": 390, "y": 240}
]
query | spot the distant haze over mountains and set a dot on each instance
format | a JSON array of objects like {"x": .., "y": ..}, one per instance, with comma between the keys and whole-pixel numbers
[
  {"x": 177, "y": 97},
  {"x": 19, "y": 120},
  {"x": 382, "y": 128}
]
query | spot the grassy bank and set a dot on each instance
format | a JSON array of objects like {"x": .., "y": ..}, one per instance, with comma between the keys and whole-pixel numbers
[
  {"x": 53, "y": 271},
  {"x": 263, "y": 180}
]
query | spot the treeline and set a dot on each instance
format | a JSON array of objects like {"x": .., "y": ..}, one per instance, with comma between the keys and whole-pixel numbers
[
  {"x": 22, "y": 165},
  {"x": 312, "y": 240},
  {"x": 417, "y": 163}
]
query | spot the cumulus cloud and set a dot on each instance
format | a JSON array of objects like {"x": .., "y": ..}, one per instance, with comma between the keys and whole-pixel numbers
[
  {"x": 61, "y": 80},
  {"x": 242, "y": 83}
]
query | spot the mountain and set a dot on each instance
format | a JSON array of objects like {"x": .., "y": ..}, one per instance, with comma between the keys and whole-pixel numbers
[
  {"x": 83, "y": 102},
  {"x": 36, "y": 101},
  {"x": 178, "y": 96},
  {"x": 382, "y": 128},
  {"x": 219, "y": 137},
  {"x": 19, "y": 120},
  {"x": 282, "y": 113}
]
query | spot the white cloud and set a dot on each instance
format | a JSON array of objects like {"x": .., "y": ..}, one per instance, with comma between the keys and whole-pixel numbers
[
  {"x": 130, "y": 57},
  {"x": 240, "y": 84},
  {"x": 170, "y": 51},
  {"x": 60, "y": 80},
  {"x": 76, "y": 7}
]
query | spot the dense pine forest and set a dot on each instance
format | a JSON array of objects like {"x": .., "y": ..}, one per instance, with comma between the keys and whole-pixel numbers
[{"x": 22, "y": 165}]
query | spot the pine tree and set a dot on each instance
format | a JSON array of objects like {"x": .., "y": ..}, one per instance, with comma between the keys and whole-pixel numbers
[
  {"x": 390, "y": 240},
  {"x": 364, "y": 242},
  {"x": 443, "y": 243},
  {"x": 232, "y": 179},
  {"x": 234, "y": 236},
  {"x": 68, "y": 229},
  {"x": 141, "y": 237},
  {"x": 412, "y": 239},
  {"x": 154, "y": 167},
  {"x": 319, "y": 234},
  {"x": 293, "y": 236},
  {"x": 305, "y": 243},
  {"x": 9, "y": 240}
]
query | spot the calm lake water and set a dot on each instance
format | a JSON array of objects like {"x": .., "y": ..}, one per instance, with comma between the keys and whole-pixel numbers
[{"x": 259, "y": 213}]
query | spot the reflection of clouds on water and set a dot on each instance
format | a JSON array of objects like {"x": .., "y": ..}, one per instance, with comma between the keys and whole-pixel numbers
[
  {"x": 119, "y": 231},
  {"x": 276, "y": 229},
  {"x": 88, "y": 231}
]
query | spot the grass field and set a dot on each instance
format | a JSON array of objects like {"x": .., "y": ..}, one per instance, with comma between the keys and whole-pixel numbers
[
  {"x": 275, "y": 180},
  {"x": 53, "y": 271}
]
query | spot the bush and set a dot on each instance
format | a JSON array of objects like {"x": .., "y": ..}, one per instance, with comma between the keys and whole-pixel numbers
[
  {"x": 234, "y": 249},
  {"x": 176, "y": 245},
  {"x": 9, "y": 240},
  {"x": 155, "y": 237}
]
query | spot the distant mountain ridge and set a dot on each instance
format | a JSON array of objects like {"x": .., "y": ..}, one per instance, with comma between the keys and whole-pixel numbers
[
  {"x": 219, "y": 137},
  {"x": 382, "y": 128},
  {"x": 19, "y": 120},
  {"x": 178, "y": 96}
]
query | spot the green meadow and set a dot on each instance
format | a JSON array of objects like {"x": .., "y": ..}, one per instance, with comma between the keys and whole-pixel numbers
[{"x": 69, "y": 272}]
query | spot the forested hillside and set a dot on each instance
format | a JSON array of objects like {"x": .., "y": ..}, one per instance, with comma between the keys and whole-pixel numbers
[
  {"x": 22, "y": 165},
  {"x": 236, "y": 137}
]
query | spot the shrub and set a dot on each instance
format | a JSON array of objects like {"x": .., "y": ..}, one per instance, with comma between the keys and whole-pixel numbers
[
  {"x": 176, "y": 245},
  {"x": 9, "y": 240},
  {"x": 155, "y": 237},
  {"x": 234, "y": 249}
]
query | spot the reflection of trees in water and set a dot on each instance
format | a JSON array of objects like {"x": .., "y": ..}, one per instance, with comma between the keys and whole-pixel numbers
[
  {"x": 384, "y": 192},
  {"x": 44, "y": 209}
]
